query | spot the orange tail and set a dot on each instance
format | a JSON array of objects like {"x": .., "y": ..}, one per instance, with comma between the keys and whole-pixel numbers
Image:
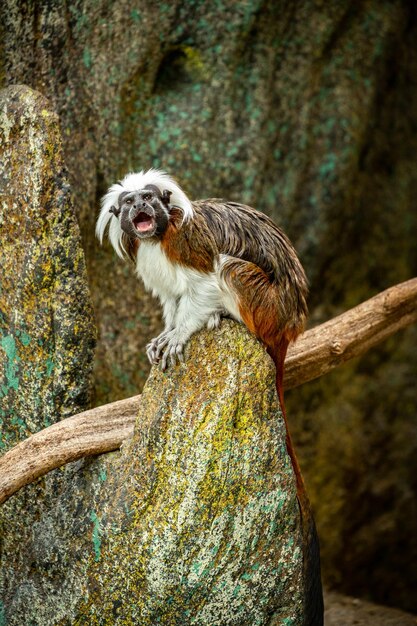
[{"x": 313, "y": 607}]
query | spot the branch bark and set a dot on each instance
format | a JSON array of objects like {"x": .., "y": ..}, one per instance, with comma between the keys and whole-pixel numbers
[
  {"x": 351, "y": 334},
  {"x": 315, "y": 353}
]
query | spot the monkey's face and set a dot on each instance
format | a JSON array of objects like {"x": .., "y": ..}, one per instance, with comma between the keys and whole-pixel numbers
[{"x": 143, "y": 213}]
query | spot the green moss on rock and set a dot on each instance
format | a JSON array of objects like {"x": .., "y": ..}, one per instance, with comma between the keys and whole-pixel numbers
[
  {"x": 47, "y": 334},
  {"x": 306, "y": 110},
  {"x": 204, "y": 524}
]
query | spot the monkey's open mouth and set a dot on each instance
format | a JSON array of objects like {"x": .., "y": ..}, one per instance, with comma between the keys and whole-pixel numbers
[{"x": 143, "y": 222}]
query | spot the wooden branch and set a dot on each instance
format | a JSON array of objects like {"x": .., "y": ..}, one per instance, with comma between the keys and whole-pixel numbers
[
  {"x": 351, "y": 334},
  {"x": 316, "y": 352},
  {"x": 100, "y": 430}
]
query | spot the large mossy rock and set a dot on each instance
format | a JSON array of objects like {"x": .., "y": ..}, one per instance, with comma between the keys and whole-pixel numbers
[
  {"x": 46, "y": 325},
  {"x": 47, "y": 334},
  {"x": 196, "y": 520},
  {"x": 203, "y": 526},
  {"x": 308, "y": 111}
]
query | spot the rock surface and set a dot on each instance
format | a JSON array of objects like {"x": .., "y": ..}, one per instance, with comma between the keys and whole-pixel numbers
[
  {"x": 46, "y": 326},
  {"x": 195, "y": 521},
  {"x": 305, "y": 110},
  {"x": 203, "y": 526},
  {"x": 46, "y": 330}
]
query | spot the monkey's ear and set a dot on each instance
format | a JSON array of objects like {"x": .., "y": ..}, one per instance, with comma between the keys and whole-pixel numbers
[
  {"x": 115, "y": 210},
  {"x": 166, "y": 196}
]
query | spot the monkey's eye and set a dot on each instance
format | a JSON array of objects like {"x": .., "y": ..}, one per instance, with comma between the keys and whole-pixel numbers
[
  {"x": 128, "y": 200},
  {"x": 147, "y": 196}
]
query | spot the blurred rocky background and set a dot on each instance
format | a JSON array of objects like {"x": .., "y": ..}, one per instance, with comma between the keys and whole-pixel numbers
[{"x": 307, "y": 111}]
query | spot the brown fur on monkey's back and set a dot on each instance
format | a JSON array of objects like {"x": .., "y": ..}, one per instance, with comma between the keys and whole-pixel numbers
[{"x": 242, "y": 232}]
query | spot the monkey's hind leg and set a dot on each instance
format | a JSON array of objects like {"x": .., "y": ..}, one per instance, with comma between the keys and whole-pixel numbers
[{"x": 252, "y": 298}]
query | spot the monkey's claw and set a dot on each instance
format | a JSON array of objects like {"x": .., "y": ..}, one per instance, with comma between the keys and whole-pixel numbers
[
  {"x": 155, "y": 346},
  {"x": 150, "y": 352},
  {"x": 168, "y": 346},
  {"x": 173, "y": 352}
]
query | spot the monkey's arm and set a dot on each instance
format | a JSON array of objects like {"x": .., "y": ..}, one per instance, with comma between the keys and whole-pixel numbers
[
  {"x": 190, "y": 251},
  {"x": 195, "y": 309},
  {"x": 169, "y": 306}
]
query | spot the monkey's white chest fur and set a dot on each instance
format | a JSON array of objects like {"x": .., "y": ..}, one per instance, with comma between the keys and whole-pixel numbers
[
  {"x": 189, "y": 297},
  {"x": 171, "y": 280},
  {"x": 160, "y": 276},
  {"x": 190, "y": 300}
]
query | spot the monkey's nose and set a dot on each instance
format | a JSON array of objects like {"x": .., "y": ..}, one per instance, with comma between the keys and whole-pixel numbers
[{"x": 144, "y": 205}]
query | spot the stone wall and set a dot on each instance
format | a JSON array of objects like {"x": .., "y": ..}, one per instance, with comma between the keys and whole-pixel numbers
[{"x": 306, "y": 111}]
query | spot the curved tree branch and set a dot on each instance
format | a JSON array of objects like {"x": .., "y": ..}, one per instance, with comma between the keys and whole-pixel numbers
[
  {"x": 315, "y": 353},
  {"x": 351, "y": 334}
]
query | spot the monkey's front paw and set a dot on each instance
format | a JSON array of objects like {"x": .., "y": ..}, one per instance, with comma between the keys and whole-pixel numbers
[
  {"x": 173, "y": 350},
  {"x": 155, "y": 346},
  {"x": 168, "y": 345}
]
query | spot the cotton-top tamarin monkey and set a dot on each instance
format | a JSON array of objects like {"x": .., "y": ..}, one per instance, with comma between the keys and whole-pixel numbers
[{"x": 206, "y": 259}]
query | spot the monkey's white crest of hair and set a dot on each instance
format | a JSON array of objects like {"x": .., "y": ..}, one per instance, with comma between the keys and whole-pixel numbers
[{"x": 135, "y": 182}]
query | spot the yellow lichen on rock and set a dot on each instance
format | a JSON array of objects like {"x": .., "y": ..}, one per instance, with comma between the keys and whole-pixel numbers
[{"x": 205, "y": 524}]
